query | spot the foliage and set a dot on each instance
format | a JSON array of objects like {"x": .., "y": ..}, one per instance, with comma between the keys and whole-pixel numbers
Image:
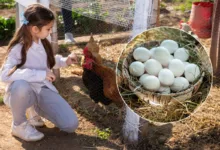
[
  {"x": 178, "y": 1},
  {"x": 7, "y": 27},
  {"x": 7, "y": 4},
  {"x": 103, "y": 134},
  {"x": 1, "y": 100},
  {"x": 163, "y": 5},
  {"x": 86, "y": 25},
  {"x": 187, "y": 4}
]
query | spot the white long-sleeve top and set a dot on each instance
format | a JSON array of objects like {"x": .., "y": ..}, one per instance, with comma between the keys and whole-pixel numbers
[{"x": 34, "y": 69}]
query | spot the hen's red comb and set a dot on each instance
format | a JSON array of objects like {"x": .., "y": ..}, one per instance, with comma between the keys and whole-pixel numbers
[{"x": 85, "y": 51}]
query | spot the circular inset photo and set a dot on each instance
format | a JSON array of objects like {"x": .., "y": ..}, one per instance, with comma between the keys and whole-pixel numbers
[{"x": 166, "y": 74}]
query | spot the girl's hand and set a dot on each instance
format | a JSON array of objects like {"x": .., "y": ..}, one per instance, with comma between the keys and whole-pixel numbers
[
  {"x": 50, "y": 76},
  {"x": 71, "y": 59}
]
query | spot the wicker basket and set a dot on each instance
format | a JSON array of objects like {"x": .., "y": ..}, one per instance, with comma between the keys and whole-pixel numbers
[{"x": 153, "y": 97}]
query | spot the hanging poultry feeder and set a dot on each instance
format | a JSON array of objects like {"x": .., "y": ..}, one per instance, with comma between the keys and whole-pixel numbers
[{"x": 200, "y": 19}]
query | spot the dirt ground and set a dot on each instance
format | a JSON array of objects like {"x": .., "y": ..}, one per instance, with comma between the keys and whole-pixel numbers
[{"x": 200, "y": 131}]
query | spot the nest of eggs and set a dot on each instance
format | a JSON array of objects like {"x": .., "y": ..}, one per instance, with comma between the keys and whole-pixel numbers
[
  {"x": 154, "y": 97},
  {"x": 176, "y": 105}
]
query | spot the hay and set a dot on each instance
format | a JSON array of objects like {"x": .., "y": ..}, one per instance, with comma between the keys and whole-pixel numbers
[{"x": 175, "y": 106}]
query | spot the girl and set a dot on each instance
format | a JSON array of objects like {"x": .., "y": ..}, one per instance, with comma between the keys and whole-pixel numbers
[{"x": 27, "y": 70}]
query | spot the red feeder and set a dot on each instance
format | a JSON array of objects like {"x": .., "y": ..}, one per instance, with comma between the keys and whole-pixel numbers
[{"x": 200, "y": 19}]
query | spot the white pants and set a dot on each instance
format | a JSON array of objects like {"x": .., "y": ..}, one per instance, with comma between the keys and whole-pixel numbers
[{"x": 47, "y": 104}]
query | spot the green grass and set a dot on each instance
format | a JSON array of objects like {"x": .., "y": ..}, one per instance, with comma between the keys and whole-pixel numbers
[
  {"x": 163, "y": 5},
  {"x": 185, "y": 5},
  {"x": 103, "y": 134},
  {"x": 1, "y": 100},
  {"x": 63, "y": 46},
  {"x": 180, "y": 1}
]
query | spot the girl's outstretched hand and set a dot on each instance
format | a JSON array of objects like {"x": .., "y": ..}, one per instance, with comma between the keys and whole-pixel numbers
[
  {"x": 71, "y": 59},
  {"x": 50, "y": 76}
]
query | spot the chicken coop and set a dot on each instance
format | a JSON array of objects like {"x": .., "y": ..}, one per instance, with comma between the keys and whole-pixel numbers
[{"x": 112, "y": 22}]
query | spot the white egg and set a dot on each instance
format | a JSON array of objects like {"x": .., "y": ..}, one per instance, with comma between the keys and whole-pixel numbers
[
  {"x": 141, "y": 54},
  {"x": 136, "y": 68},
  {"x": 170, "y": 45},
  {"x": 177, "y": 67},
  {"x": 164, "y": 90},
  {"x": 192, "y": 72},
  {"x": 186, "y": 63},
  {"x": 166, "y": 77},
  {"x": 162, "y": 55},
  {"x": 182, "y": 54},
  {"x": 152, "y": 50},
  {"x": 179, "y": 84},
  {"x": 171, "y": 57},
  {"x": 152, "y": 67},
  {"x": 151, "y": 83},
  {"x": 141, "y": 79}
]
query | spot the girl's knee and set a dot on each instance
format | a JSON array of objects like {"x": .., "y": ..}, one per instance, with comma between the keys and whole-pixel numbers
[
  {"x": 71, "y": 126},
  {"x": 21, "y": 95},
  {"x": 20, "y": 87}
]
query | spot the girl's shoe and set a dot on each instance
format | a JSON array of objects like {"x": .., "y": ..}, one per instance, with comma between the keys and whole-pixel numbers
[
  {"x": 36, "y": 121},
  {"x": 69, "y": 38},
  {"x": 26, "y": 132},
  {"x": 33, "y": 118}
]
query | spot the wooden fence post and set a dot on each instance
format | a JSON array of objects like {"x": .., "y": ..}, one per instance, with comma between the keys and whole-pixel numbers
[
  {"x": 54, "y": 44},
  {"x": 158, "y": 14},
  {"x": 17, "y": 16},
  {"x": 54, "y": 36}
]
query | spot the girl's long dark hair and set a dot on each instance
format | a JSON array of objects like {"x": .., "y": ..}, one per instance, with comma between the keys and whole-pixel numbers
[{"x": 36, "y": 15}]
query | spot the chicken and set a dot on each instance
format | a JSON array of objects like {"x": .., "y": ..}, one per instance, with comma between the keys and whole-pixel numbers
[{"x": 99, "y": 79}]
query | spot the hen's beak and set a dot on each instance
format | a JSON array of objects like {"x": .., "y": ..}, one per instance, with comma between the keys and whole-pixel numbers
[{"x": 82, "y": 60}]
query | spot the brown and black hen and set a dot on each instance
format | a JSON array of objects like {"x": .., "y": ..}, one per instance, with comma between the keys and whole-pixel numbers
[{"x": 99, "y": 79}]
